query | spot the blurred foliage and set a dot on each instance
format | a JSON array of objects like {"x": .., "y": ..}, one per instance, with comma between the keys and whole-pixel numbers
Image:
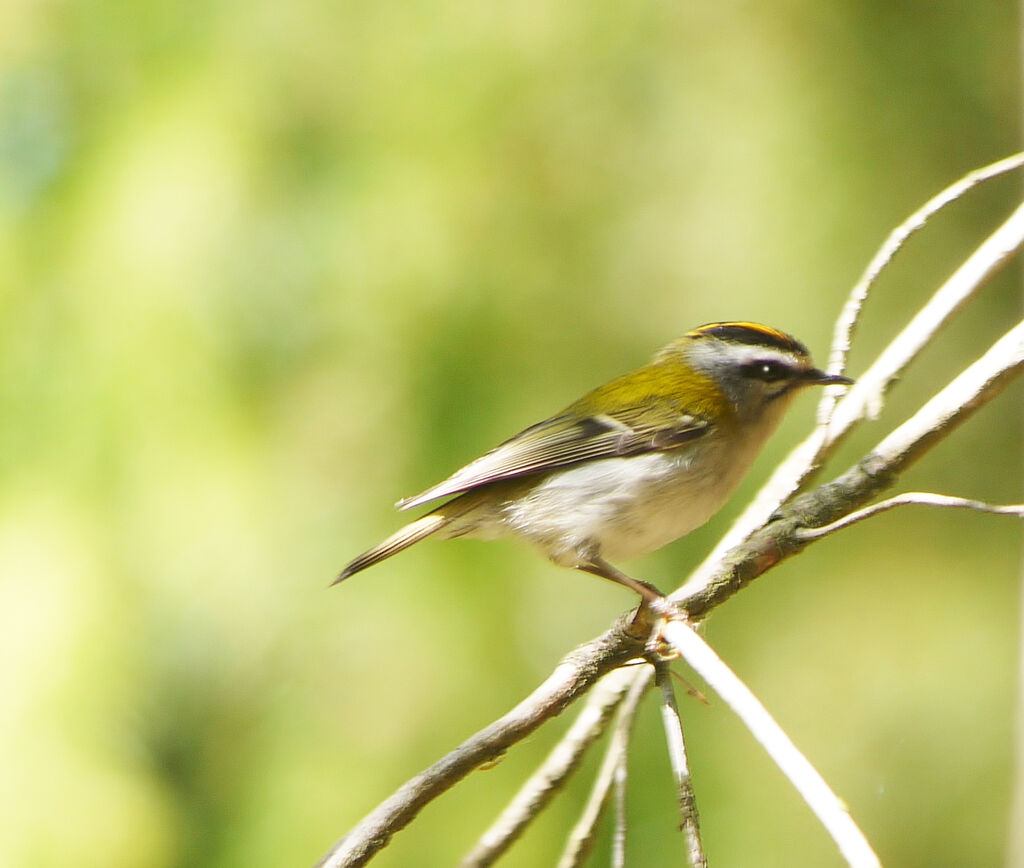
[{"x": 268, "y": 266}]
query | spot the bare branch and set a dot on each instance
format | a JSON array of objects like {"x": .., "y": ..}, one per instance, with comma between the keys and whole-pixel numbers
[
  {"x": 877, "y": 471},
  {"x": 910, "y": 498},
  {"x": 865, "y": 395},
  {"x": 847, "y": 322},
  {"x": 560, "y": 763},
  {"x": 574, "y": 675},
  {"x": 965, "y": 394},
  {"x": 762, "y": 537},
  {"x": 689, "y": 818},
  {"x": 582, "y": 836},
  {"x": 621, "y": 777},
  {"x": 826, "y": 805},
  {"x": 761, "y": 551}
]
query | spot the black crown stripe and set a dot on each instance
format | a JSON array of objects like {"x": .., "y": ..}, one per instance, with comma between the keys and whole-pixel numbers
[{"x": 751, "y": 333}]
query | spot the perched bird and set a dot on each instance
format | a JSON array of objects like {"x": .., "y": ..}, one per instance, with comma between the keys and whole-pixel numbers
[{"x": 631, "y": 466}]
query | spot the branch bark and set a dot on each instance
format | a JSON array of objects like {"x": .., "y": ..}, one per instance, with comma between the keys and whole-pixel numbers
[
  {"x": 763, "y": 537},
  {"x": 877, "y": 471},
  {"x": 560, "y": 763},
  {"x": 575, "y": 674},
  {"x": 612, "y": 773},
  {"x": 689, "y": 818},
  {"x": 826, "y": 805},
  {"x": 764, "y": 549}
]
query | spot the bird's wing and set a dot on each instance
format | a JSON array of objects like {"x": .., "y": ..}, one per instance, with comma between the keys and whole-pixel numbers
[{"x": 569, "y": 438}]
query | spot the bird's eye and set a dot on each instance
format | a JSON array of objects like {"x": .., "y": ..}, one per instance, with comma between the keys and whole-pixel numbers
[{"x": 768, "y": 372}]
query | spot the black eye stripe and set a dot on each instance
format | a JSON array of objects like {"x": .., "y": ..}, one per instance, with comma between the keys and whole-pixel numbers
[{"x": 768, "y": 371}]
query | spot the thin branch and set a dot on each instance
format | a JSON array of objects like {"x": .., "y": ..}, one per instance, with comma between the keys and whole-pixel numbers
[
  {"x": 957, "y": 401},
  {"x": 689, "y": 819},
  {"x": 846, "y": 324},
  {"x": 581, "y": 838},
  {"x": 878, "y": 470},
  {"x": 826, "y": 805},
  {"x": 561, "y": 762},
  {"x": 745, "y": 553},
  {"x": 910, "y": 498},
  {"x": 761, "y": 551},
  {"x": 865, "y": 395},
  {"x": 621, "y": 777},
  {"x": 576, "y": 673}
]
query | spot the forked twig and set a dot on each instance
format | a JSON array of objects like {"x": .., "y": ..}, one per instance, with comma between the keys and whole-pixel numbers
[
  {"x": 826, "y": 805},
  {"x": 866, "y": 395},
  {"x": 621, "y": 776},
  {"x": 780, "y": 539},
  {"x": 910, "y": 498},
  {"x": 573, "y": 676},
  {"x": 836, "y": 422},
  {"x": 689, "y": 819},
  {"x": 754, "y": 545},
  {"x": 581, "y": 838},
  {"x": 846, "y": 323},
  {"x": 563, "y": 759},
  {"x": 898, "y": 450}
]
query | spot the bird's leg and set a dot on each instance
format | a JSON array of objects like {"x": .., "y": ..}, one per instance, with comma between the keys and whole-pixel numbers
[{"x": 598, "y": 566}]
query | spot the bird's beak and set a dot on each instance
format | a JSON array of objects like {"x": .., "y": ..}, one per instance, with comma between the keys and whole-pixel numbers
[{"x": 814, "y": 377}]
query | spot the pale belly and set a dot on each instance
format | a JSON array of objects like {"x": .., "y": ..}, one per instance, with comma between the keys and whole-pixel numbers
[{"x": 617, "y": 508}]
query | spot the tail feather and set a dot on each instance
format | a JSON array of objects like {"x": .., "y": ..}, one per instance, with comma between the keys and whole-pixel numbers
[{"x": 399, "y": 540}]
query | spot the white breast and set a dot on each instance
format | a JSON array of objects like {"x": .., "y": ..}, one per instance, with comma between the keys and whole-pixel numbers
[{"x": 619, "y": 507}]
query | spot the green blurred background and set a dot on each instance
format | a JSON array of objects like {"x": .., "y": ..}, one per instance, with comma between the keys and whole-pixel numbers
[{"x": 266, "y": 267}]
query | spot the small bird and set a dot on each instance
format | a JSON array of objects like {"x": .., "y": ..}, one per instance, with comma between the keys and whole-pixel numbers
[{"x": 632, "y": 465}]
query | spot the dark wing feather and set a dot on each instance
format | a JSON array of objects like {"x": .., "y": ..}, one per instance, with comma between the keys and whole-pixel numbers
[{"x": 567, "y": 439}]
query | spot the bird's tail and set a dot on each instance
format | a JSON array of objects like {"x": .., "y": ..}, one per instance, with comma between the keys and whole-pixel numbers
[{"x": 399, "y": 540}]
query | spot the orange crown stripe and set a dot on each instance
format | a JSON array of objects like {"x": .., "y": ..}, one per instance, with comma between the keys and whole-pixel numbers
[{"x": 750, "y": 333}]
